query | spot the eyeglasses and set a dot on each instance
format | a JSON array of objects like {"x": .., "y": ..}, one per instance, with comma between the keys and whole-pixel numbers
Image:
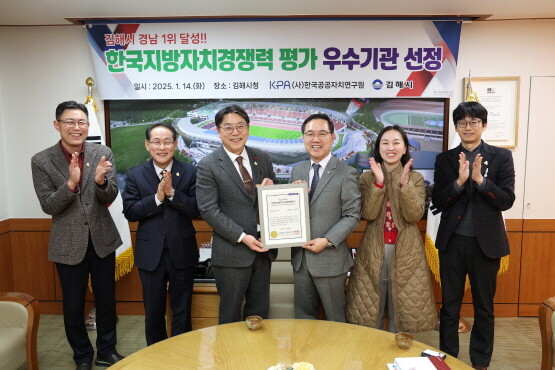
[
  {"x": 473, "y": 123},
  {"x": 321, "y": 134},
  {"x": 158, "y": 144},
  {"x": 240, "y": 128},
  {"x": 69, "y": 123}
]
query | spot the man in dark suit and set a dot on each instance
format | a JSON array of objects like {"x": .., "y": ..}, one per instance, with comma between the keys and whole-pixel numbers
[
  {"x": 228, "y": 201},
  {"x": 75, "y": 182},
  {"x": 161, "y": 195},
  {"x": 474, "y": 183},
  {"x": 321, "y": 265}
]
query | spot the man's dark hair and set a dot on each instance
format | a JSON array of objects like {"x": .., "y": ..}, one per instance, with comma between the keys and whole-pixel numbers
[
  {"x": 470, "y": 109},
  {"x": 323, "y": 116},
  {"x": 378, "y": 157},
  {"x": 161, "y": 124},
  {"x": 70, "y": 104},
  {"x": 233, "y": 108}
]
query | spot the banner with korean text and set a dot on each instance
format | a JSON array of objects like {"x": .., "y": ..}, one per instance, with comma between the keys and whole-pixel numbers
[{"x": 275, "y": 59}]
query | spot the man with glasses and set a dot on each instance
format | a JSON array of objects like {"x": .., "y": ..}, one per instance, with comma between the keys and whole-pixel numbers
[
  {"x": 321, "y": 265},
  {"x": 161, "y": 195},
  {"x": 75, "y": 181},
  {"x": 227, "y": 198},
  {"x": 474, "y": 183}
]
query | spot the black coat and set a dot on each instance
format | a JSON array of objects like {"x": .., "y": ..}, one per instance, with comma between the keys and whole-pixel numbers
[
  {"x": 171, "y": 221},
  {"x": 487, "y": 204}
]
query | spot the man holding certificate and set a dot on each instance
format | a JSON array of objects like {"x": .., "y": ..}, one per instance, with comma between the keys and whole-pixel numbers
[
  {"x": 321, "y": 264},
  {"x": 228, "y": 201}
]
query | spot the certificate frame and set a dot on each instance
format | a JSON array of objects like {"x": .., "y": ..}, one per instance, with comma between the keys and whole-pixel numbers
[
  {"x": 284, "y": 215},
  {"x": 501, "y": 97}
]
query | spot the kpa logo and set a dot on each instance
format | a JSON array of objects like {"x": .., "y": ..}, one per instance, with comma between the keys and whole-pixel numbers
[{"x": 377, "y": 84}]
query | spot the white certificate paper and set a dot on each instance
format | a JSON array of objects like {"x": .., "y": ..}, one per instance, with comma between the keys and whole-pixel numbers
[{"x": 284, "y": 217}]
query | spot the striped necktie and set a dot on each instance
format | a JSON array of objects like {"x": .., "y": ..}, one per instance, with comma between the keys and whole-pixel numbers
[{"x": 247, "y": 179}]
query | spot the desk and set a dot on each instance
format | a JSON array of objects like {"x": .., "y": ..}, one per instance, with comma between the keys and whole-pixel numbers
[{"x": 325, "y": 344}]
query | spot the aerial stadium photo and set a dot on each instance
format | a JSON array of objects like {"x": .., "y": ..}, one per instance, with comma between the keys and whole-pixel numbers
[{"x": 275, "y": 127}]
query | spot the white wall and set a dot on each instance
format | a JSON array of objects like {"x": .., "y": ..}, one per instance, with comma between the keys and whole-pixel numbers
[
  {"x": 511, "y": 48},
  {"x": 42, "y": 66}
]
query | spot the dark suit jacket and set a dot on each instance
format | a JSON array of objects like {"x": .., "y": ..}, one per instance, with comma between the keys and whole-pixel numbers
[
  {"x": 226, "y": 206},
  {"x": 75, "y": 215},
  {"x": 171, "y": 221},
  {"x": 487, "y": 204}
]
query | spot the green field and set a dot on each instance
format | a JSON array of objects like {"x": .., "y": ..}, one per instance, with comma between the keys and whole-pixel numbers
[
  {"x": 128, "y": 145},
  {"x": 274, "y": 133},
  {"x": 410, "y": 119}
]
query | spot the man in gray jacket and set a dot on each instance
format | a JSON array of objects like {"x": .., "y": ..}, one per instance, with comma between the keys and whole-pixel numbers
[
  {"x": 228, "y": 201},
  {"x": 321, "y": 265},
  {"x": 75, "y": 181}
]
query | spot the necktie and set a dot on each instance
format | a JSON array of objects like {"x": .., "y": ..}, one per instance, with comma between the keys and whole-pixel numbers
[
  {"x": 315, "y": 179},
  {"x": 161, "y": 175},
  {"x": 247, "y": 179}
]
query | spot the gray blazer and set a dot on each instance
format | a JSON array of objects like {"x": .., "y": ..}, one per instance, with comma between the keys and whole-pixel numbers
[
  {"x": 74, "y": 215},
  {"x": 224, "y": 203},
  {"x": 334, "y": 213}
]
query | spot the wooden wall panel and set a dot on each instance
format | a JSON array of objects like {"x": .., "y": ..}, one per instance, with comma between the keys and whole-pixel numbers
[
  {"x": 24, "y": 266},
  {"x": 5, "y": 226},
  {"x": 33, "y": 273},
  {"x": 500, "y": 310},
  {"x": 538, "y": 225},
  {"x": 6, "y": 263},
  {"x": 538, "y": 267},
  {"x": 507, "y": 283},
  {"x": 530, "y": 310}
]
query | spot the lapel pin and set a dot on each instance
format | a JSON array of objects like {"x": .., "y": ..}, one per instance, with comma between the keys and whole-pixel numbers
[
  {"x": 88, "y": 165},
  {"x": 177, "y": 174},
  {"x": 256, "y": 164},
  {"x": 328, "y": 171},
  {"x": 486, "y": 163}
]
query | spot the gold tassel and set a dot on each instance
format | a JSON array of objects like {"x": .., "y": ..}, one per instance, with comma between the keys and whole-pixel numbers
[
  {"x": 124, "y": 263},
  {"x": 504, "y": 266},
  {"x": 432, "y": 256}
]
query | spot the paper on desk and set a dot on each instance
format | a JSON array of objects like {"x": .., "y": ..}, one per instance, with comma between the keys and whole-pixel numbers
[
  {"x": 414, "y": 363},
  {"x": 205, "y": 252}
]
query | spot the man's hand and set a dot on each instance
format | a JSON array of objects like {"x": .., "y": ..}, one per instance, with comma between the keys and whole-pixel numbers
[
  {"x": 464, "y": 170},
  {"x": 265, "y": 182},
  {"x": 100, "y": 172},
  {"x": 405, "y": 175},
  {"x": 477, "y": 170},
  {"x": 316, "y": 245},
  {"x": 75, "y": 171},
  {"x": 167, "y": 183},
  {"x": 376, "y": 170},
  {"x": 160, "y": 194},
  {"x": 253, "y": 243}
]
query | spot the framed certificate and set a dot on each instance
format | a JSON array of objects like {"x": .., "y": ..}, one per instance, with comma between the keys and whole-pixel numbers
[
  {"x": 500, "y": 96},
  {"x": 284, "y": 217}
]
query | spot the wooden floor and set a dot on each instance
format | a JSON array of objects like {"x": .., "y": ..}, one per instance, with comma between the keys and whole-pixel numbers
[{"x": 517, "y": 342}]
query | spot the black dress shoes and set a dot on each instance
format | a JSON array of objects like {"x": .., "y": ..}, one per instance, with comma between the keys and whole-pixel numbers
[
  {"x": 109, "y": 360},
  {"x": 84, "y": 366}
]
